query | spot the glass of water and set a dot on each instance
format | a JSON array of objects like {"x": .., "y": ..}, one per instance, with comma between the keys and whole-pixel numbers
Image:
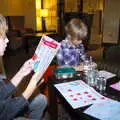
[
  {"x": 91, "y": 77},
  {"x": 101, "y": 84}
]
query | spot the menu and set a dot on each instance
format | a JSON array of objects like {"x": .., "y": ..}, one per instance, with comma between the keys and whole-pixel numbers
[
  {"x": 78, "y": 94},
  {"x": 107, "y": 110},
  {"x": 116, "y": 86},
  {"x": 106, "y": 74},
  {"x": 44, "y": 53}
]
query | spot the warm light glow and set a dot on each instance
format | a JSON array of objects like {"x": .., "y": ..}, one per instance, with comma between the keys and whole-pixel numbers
[
  {"x": 38, "y": 12},
  {"x": 38, "y": 4},
  {"x": 52, "y": 13},
  {"x": 101, "y": 6},
  {"x": 49, "y": 11},
  {"x": 38, "y": 20},
  {"x": 44, "y": 12}
]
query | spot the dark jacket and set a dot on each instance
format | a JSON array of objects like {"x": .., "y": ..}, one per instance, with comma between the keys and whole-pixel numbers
[{"x": 9, "y": 106}]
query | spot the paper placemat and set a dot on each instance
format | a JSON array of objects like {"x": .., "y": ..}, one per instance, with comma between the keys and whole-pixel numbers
[
  {"x": 79, "y": 94},
  {"x": 107, "y": 110}
]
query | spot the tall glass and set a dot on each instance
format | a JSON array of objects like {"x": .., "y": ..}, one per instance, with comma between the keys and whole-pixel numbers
[{"x": 101, "y": 84}]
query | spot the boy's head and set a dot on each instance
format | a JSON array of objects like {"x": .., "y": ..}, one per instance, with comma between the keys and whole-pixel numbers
[
  {"x": 3, "y": 26},
  {"x": 3, "y": 38},
  {"x": 76, "y": 30}
]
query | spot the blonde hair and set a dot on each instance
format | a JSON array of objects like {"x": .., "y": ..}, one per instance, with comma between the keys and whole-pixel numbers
[
  {"x": 3, "y": 25},
  {"x": 76, "y": 29}
]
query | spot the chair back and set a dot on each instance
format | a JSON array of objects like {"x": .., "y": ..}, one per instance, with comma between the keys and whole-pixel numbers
[{"x": 112, "y": 55}]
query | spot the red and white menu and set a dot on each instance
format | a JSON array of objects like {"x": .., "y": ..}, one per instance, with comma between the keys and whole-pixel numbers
[
  {"x": 79, "y": 94},
  {"x": 44, "y": 54}
]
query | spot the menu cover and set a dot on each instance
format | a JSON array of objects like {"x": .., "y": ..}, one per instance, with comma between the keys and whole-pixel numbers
[
  {"x": 116, "y": 86},
  {"x": 44, "y": 54},
  {"x": 106, "y": 74},
  {"x": 78, "y": 94}
]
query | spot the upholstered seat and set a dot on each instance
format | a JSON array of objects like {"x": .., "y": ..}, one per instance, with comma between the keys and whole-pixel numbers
[
  {"x": 113, "y": 55},
  {"x": 111, "y": 61}
]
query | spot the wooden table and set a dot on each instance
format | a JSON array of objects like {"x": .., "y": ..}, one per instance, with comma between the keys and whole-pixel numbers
[{"x": 54, "y": 94}]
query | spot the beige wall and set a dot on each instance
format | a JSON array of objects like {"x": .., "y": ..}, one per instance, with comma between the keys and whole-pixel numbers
[
  {"x": 11, "y": 7},
  {"x": 20, "y": 8}
]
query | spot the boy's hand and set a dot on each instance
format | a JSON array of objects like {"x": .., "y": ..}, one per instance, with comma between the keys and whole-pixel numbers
[
  {"x": 26, "y": 68},
  {"x": 79, "y": 68},
  {"x": 33, "y": 84}
]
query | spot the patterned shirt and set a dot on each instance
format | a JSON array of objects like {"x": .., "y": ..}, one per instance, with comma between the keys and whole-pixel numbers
[{"x": 69, "y": 55}]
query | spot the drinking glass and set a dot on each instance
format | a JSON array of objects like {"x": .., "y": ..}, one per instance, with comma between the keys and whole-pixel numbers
[
  {"x": 91, "y": 77},
  {"x": 101, "y": 84}
]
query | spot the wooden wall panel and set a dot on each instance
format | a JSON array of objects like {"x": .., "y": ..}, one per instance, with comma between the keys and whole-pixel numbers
[{"x": 111, "y": 21}]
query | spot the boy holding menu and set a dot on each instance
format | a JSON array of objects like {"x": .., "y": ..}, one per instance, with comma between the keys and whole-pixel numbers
[{"x": 11, "y": 106}]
